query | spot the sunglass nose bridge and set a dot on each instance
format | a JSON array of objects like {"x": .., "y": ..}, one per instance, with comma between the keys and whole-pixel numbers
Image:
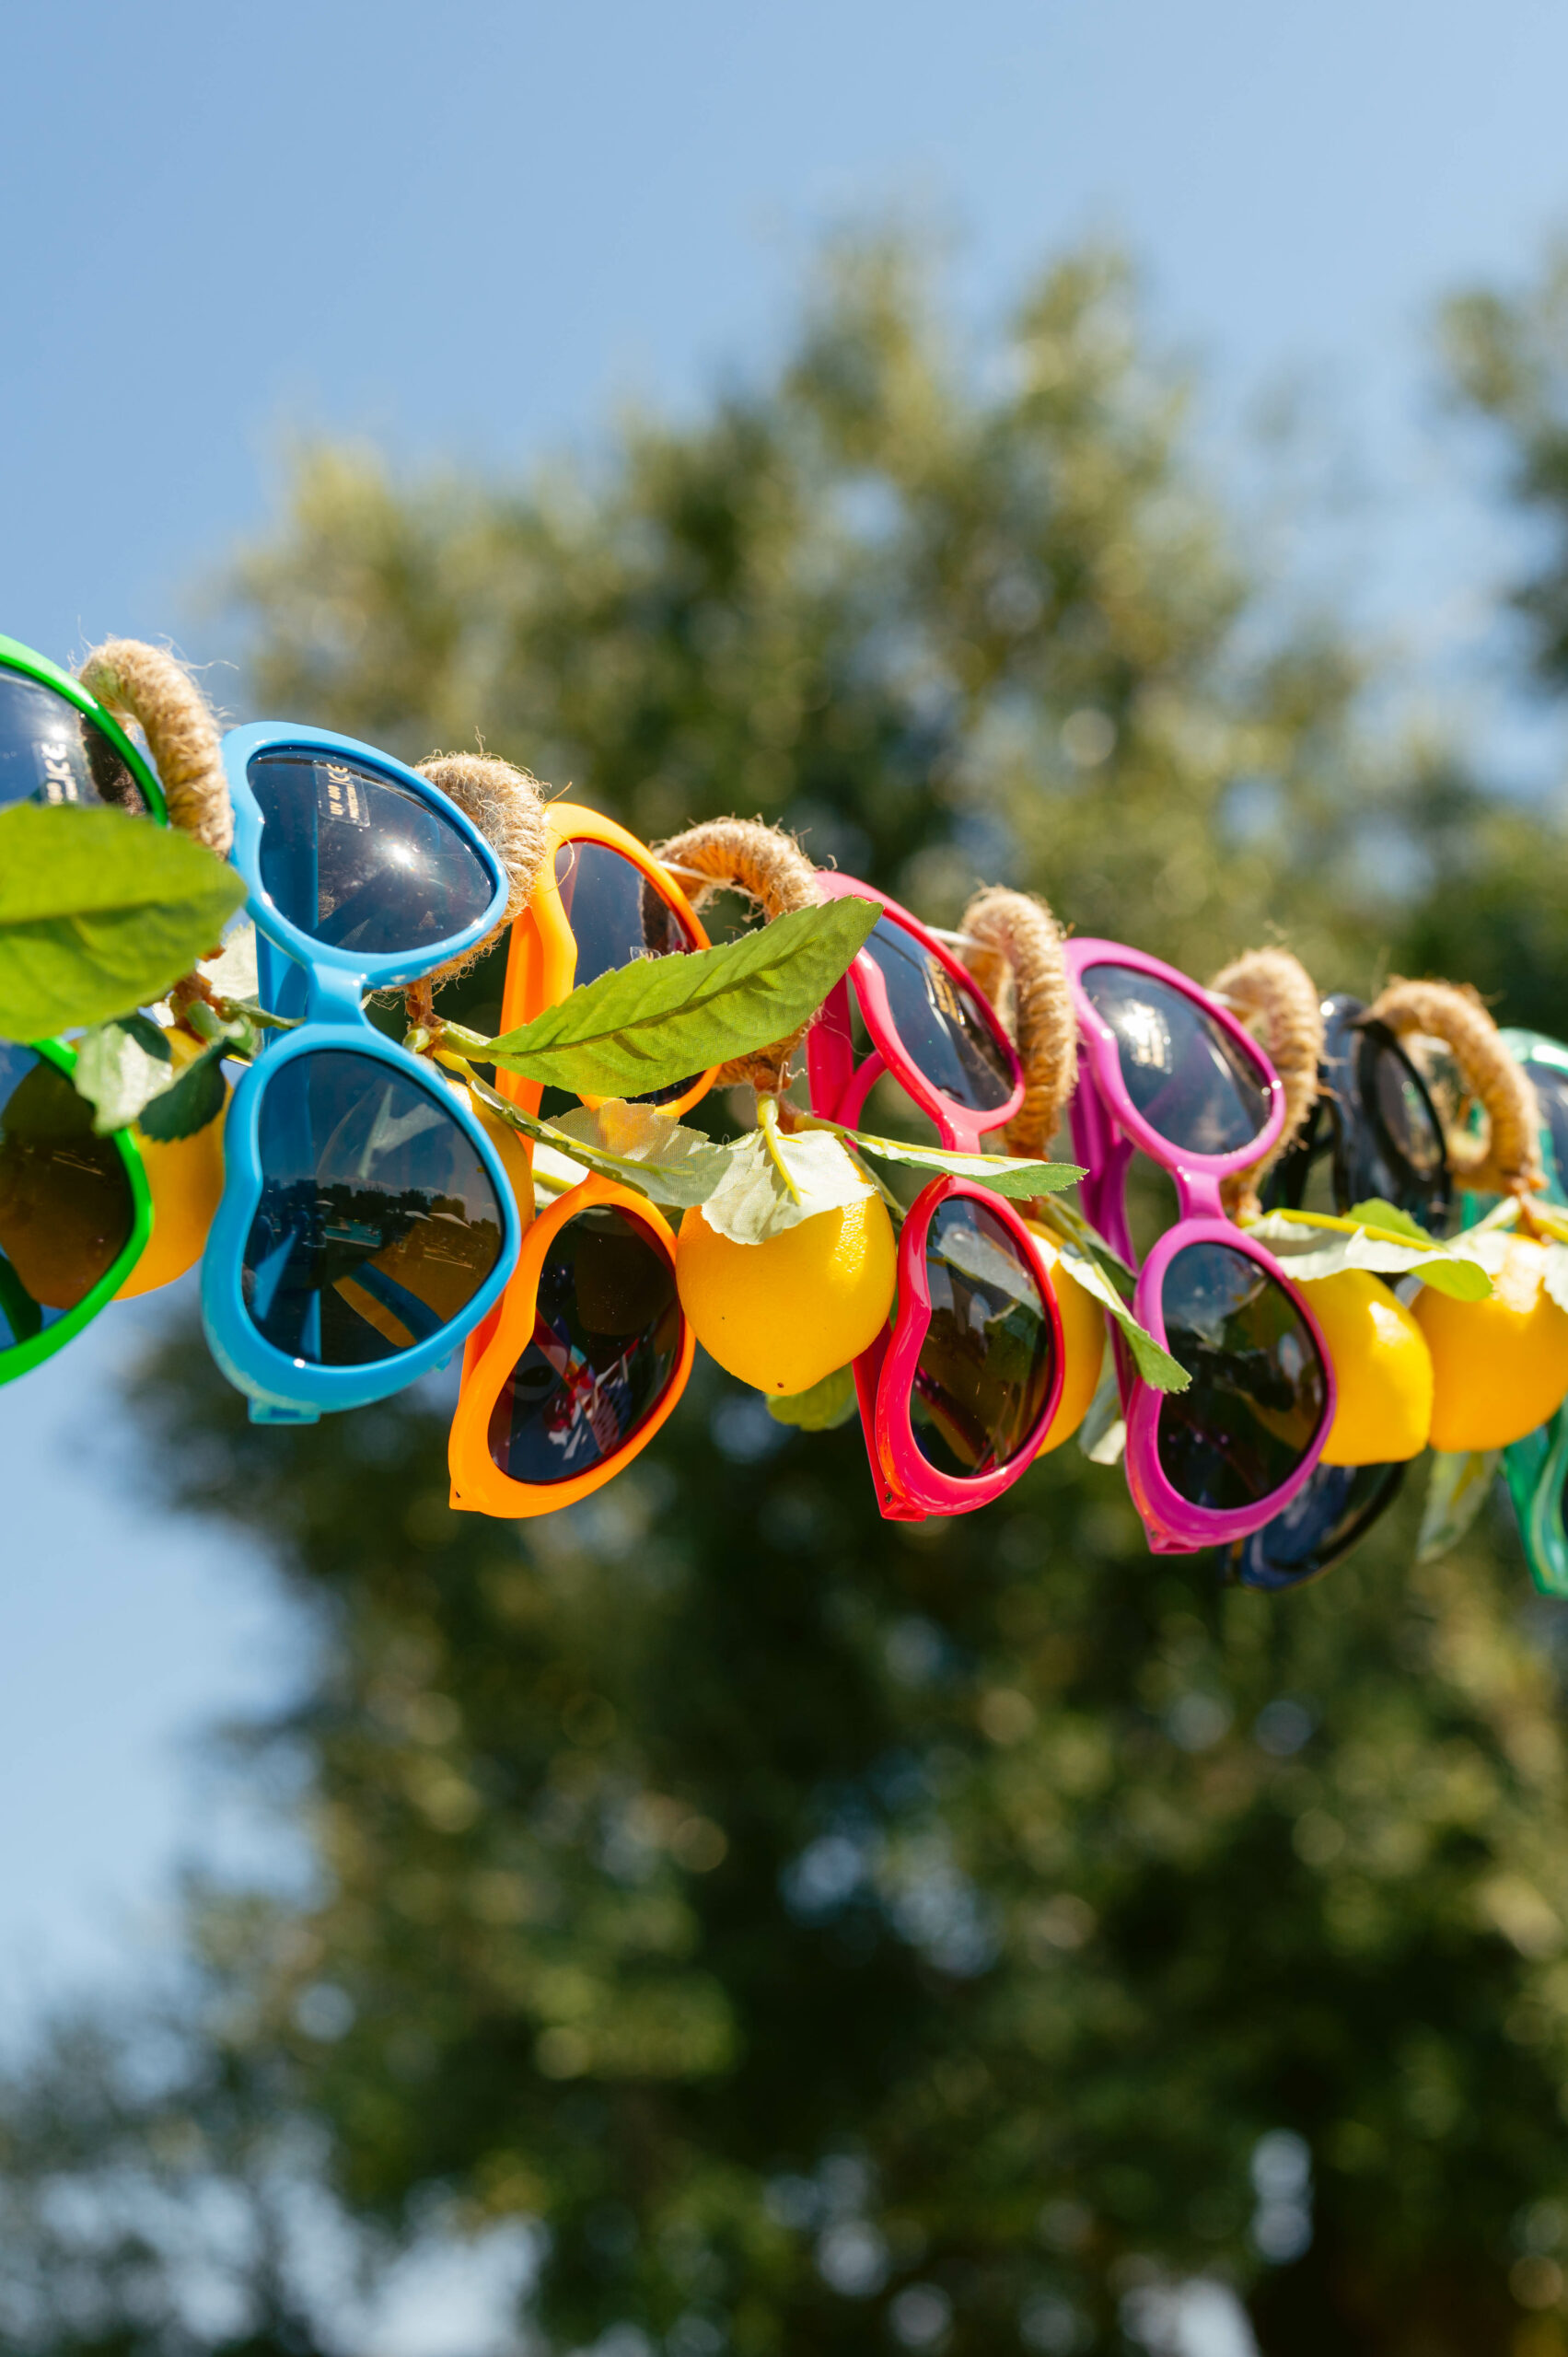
[{"x": 334, "y": 996}]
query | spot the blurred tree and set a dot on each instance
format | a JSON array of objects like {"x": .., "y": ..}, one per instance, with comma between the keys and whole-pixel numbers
[{"x": 840, "y": 1934}]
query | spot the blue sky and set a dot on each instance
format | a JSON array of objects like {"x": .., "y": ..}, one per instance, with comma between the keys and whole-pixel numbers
[{"x": 469, "y": 233}]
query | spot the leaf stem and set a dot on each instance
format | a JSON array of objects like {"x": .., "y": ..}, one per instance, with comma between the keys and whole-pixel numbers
[{"x": 768, "y": 1122}]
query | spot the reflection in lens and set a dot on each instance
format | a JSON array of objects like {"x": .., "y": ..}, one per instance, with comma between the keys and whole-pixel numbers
[
  {"x": 52, "y": 752},
  {"x": 987, "y": 1364},
  {"x": 1190, "y": 1081},
  {"x": 947, "y": 1029},
  {"x": 378, "y": 1223},
  {"x": 1330, "y": 1514},
  {"x": 616, "y": 915},
  {"x": 607, "y": 1334},
  {"x": 66, "y": 1208},
  {"x": 1258, "y": 1387},
  {"x": 359, "y": 861}
]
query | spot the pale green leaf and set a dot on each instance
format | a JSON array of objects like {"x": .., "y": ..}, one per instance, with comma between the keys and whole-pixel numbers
[
  {"x": 1309, "y": 1252},
  {"x": 195, "y": 1098},
  {"x": 99, "y": 914},
  {"x": 1455, "y": 1495},
  {"x": 120, "y": 1066},
  {"x": 1557, "y": 1273},
  {"x": 1158, "y": 1369},
  {"x": 676, "y": 1188},
  {"x": 1376, "y": 1212},
  {"x": 755, "y": 1199},
  {"x": 664, "y": 1019},
  {"x": 827, "y": 1404},
  {"x": 232, "y": 973},
  {"x": 675, "y": 1165},
  {"x": 1002, "y": 1173}
]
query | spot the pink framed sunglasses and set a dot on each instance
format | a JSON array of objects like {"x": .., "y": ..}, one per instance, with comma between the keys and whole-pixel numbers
[
  {"x": 1168, "y": 1073},
  {"x": 956, "y": 1394}
]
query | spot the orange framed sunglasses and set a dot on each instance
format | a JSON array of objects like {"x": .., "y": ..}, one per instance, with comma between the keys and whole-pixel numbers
[{"x": 587, "y": 1350}]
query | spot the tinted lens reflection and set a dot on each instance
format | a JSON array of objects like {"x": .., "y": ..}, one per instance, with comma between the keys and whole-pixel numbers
[
  {"x": 1330, "y": 1514},
  {"x": 617, "y": 915},
  {"x": 606, "y": 1335},
  {"x": 1186, "y": 1076},
  {"x": 358, "y": 861},
  {"x": 1258, "y": 1387},
  {"x": 65, "y": 1203},
  {"x": 945, "y": 1027},
  {"x": 52, "y": 752},
  {"x": 378, "y": 1223},
  {"x": 987, "y": 1364}
]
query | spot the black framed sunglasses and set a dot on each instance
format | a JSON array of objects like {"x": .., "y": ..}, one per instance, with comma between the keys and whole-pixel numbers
[{"x": 1374, "y": 1125}]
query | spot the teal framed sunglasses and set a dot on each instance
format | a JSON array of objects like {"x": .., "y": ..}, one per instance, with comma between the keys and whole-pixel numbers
[{"x": 1536, "y": 1469}]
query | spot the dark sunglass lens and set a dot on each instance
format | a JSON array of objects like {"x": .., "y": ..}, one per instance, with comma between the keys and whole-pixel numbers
[
  {"x": 616, "y": 916},
  {"x": 65, "y": 1202},
  {"x": 607, "y": 1336},
  {"x": 1330, "y": 1514},
  {"x": 1551, "y": 1092},
  {"x": 1403, "y": 1110},
  {"x": 359, "y": 861},
  {"x": 52, "y": 752},
  {"x": 378, "y": 1223},
  {"x": 945, "y": 1025},
  {"x": 986, "y": 1367},
  {"x": 1186, "y": 1076},
  {"x": 1258, "y": 1387}
]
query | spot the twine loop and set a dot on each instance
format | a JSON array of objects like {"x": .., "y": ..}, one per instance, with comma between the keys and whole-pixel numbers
[
  {"x": 149, "y": 686},
  {"x": 1506, "y": 1160},
  {"x": 748, "y": 856},
  {"x": 1013, "y": 948},
  {"x": 506, "y": 805},
  {"x": 1275, "y": 997}
]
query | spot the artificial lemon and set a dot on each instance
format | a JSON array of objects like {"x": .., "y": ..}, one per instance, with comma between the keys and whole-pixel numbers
[
  {"x": 1382, "y": 1370},
  {"x": 1500, "y": 1366},
  {"x": 783, "y": 1314},
  {"x": 1083, "y": 1344},
  {"x": 186, "y": 1179}
]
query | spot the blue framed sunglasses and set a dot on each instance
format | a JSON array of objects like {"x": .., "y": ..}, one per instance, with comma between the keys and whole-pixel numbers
[{"x": 367, "y": 1224}]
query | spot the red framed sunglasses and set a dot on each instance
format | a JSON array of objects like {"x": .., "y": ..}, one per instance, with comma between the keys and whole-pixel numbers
[
  {"x": 1168, "y": 1073},
  {"x": 956, "y": 1396}
]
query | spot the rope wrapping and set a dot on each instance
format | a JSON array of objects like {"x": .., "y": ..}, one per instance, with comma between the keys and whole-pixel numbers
[
  {"x": 747, "y": 855},
  {"x": 506, "y": 805},
  {"x": 1507, "y": 1160},
  {"x": 1013, "y": 948},
  {"x": 1276, "y": 1000},
  {"x": 148, "y": 685}
]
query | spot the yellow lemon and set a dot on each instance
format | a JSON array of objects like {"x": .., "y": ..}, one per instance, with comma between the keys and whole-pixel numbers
[
  {"x": 186, "y": 1179},
  {"x": 1083, "y": 1346},
  {"x": 1500, "y": 1366},
  {"x": 783, "y": 1314},
  {"x": 1382, "y": 1369}
]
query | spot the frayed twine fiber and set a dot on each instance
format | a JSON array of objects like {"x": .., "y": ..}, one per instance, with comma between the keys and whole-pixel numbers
[
  {"x": 1507, "y": 1160},
  {"x": 506, "y": 805},
  {"x": 1013, "y": 948},
  {"x": 148, "y": 685},
  {"x": 747, "y": 855},
  {"x": 1274, "y": 996}
]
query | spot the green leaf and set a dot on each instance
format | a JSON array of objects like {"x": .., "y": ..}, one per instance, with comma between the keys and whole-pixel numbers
[
  {"x": 649, "y": 1149},
  {"x": 678, "y": 1186},
  {"x": 120, "y": 1066},
  {"x": 1377, "y": 1212},
  {"x": 1004, "y": 1174},
  {"x": 197, "y": 1098},
  {"x": 1556, "y": 1278},
  {"x": 1309, "y": 1252},
  {"x": 757, "y": 1198},
  {"x": 662, "y": 1019},
  {"x": 1158, "y": 1369},
  {"x": 827, "y": 1404},
  {"x": 1455, "y": 1495},
  {"x": 232, "y": 973},
  {"x": 99, "y": 914}
]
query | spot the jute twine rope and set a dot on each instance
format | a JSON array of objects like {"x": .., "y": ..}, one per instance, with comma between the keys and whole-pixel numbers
[
  {"x": 1275, "y": 997},
  {"x": 1013, "y": 948},
  {"x": 506, "y": 807},
  {"x": 145, "y": 684},
  {"x": 747, "y": 855},
  {"x": 1507, "y": 1161}
]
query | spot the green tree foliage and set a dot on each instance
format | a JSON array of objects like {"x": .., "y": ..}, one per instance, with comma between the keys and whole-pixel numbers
[{"x": 845, "y": 1935}]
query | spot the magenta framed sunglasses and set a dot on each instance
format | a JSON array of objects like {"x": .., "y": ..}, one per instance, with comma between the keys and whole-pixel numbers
[
  {"x": 956, "y": 1394},
  {"x": 1168, "y": 1073}
]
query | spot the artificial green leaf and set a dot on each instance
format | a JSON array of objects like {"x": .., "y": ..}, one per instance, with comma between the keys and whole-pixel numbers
[
  {"x": 120, "y": 1066},
  {"x": 655, "y": 1022},
  {"x": 1455, "y": 1495},
  {"x": 774, "y": 1182},
  {"x": 1002, "y": 1173},
  {"x": 197, "y": 1098},
  {"x": 1310, "y": 1250},
  {"x": 1375, "y": 1212},
  {"x": 99, "y": 914},
  {"x": 1158, "y": 1369},
  {"x": 827, "y": 1404}
]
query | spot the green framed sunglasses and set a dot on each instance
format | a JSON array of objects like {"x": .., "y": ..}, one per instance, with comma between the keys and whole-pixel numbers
[
  {"x": 1536, "y": 1469},
  {"x": 76, "y": 1209}
]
